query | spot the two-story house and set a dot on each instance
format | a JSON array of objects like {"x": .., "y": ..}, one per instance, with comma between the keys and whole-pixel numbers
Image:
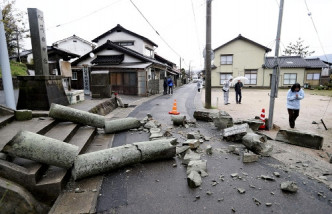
[
  {"x": 75, "y": 44},
  {"x": 127, "y": 57},
  {"x": 239, "y": 57}
]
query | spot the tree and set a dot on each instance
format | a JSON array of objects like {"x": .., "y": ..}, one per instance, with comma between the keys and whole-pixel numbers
[
  {"x": 298, "y": 49},
  {"x": 15, "y": 26}
]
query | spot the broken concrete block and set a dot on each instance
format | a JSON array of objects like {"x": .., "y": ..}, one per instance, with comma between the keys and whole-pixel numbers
[
  {"x": 231, "y": 148},
  {"x": 268, "y": 178},
  {"x": 65, "y": 113},
  {"x": 209, "y": 150},
  {"x": 241, "y": 190},
  {"x": 109, "y": 159},
  {"x": 206, "y": 116},
  {"x": 249, "y": 157},
  {"x": 155, "y": 130},
  {"x": 222, "y": 120},
  {"x": 189, "y": 156},
  {"x": 194, "y": 179},
  {"x": 42, "y": 149},
  {"x": 118, "y": 125},
  {"x": 178, "y": 120},
  {"x": 289, "y": 186},
  {"x": 167, "y": 134},
  {"x": 254, "y": 124},
  {"x": 235, "y": 133},
  {"x": 150, "y": 124},
  {"x": 198, "y": 166},
  {"x": 181, "y": 149},
  {"x": 21, "y": 115},
  {"x": 155, "y": 135},
  {"x": 277, "y": 174},
  {"x": 192, "y": 143},
  {"x": 298, "y": 138},
  {"x": 237, "y": 151},
  {"x": 234, "y": 175},
  {"x": 257, "y": 144},
  {"x": 194, "y": 135}
]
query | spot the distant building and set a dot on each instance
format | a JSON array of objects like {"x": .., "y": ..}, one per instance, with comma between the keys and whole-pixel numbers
[{"x": 75, "y": 44}]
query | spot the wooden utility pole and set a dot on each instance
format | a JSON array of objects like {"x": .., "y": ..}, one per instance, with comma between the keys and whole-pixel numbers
[
  {"x": 275, "y": 75},
  {"x": 208, "y": 56}
]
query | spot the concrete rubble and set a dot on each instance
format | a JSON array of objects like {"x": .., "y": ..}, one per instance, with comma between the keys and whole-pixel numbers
[
  {"x": 222, "y": 120},
  {"x": 109, "y": 159},
  {"x": 42, "y": 149},
  {"x": 257, "y": 143},
  {"x": 209, "y": 150},
  {"x": 64, "y": 113},
  {"x": 206, "y": 116},
  {"x": 235, "y": 132},
  {"x": 199, "y": 166},
  {"x": 194, "y": 135},
  {"x": 249, "y": 157},
  {"x": 254, "y": 124},
  {"x": 289, "y": 186},
  {"x": 190, "y": 156},
  {"x": 23, "y": 115},
  {"x": 192, "y": 143},
  {"x": 118, "y": 125},
  {"x": 178, "y": 120},
  {"x": 194, "y": 179},
  {"x": 298, "y": 138}
]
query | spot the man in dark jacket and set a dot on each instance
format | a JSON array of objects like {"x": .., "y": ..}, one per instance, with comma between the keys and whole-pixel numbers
[
  {"x": 170, "y": 85},
  {"x": 238, "y": 87},
  {"x": 165, "y": 86}
]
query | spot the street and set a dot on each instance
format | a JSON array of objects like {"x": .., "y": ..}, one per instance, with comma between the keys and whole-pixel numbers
[{"x": 158, "y": 187}]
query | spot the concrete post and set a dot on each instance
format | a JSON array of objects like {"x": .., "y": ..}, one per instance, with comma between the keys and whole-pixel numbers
[
  {"x": 5, "y": 68},
  {"x": 64, "y": 113},
  {"x": 178, "y": 120},
  {"x": 113, "y": 126},
  {"x": 42, "y": 149},
  {"x": 109, "y": 159}
]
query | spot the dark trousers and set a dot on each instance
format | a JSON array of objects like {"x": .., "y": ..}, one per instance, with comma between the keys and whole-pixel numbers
[
  {"x": 165, "y": 90},
  {"x": 293, "y": 114},
  {"x": 238, "y": 96},
  {"x": 170, "y": 89}
]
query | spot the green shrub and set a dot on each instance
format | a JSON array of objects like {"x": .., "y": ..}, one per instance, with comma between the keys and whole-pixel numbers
[{"x": 17, "y": 69}]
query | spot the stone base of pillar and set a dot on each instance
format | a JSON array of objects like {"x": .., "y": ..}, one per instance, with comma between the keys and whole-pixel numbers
[{"x": 39, "y": 92}]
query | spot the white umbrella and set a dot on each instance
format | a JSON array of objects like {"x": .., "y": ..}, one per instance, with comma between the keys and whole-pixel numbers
[{"x": 242, "y": 78}]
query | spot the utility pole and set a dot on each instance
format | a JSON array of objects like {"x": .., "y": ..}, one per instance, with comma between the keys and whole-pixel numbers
[
  {"x": 208, "y": 56},
  {"x": 7, "y": 80},
  {"x": 18, "y": 45},
  {"x": 275, "y": 75}
]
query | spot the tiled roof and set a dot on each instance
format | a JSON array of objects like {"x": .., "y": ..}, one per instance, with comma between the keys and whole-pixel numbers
[
  {"x": 120, "y": 28},
  {"x": 108, "y": 59},
  {"x": 122, "y": 49},
  {"x": 240, "y": 37},
  {"x": 294, "y": 62},
  {"x": 74, "y": 37}
]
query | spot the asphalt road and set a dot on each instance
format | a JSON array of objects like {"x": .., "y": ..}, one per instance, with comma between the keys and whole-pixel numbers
[{"x": 158, "y": 187}]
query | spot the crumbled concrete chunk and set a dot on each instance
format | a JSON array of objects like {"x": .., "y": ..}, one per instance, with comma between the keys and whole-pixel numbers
[{"x": 289, "y": 186}]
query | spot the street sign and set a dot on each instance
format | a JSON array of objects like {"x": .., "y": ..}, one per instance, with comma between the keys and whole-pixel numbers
[{"x": 211, "y": 53}]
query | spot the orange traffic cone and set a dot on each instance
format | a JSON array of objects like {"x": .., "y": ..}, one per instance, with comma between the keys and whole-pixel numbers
[
  {"x": 262, "y": 118},
  {"x": 174, "y": 109}
]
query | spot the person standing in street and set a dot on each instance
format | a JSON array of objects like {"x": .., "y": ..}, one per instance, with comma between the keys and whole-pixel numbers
[
  {"x": 165, "y": 86},
  {"x": 294, "y": 95},
  {"x": 199, "y": 85},
  {"x": 170, "y": 85},
  {"x": 225, "y": 89},
  {"x": 238, "y": 87}
]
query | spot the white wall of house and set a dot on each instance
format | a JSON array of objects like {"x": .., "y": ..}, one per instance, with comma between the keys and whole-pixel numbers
[
  {"x": 285, "y": 75},
  {"x": 139, "y": 44},
  {"x": 76, "y": 46}
]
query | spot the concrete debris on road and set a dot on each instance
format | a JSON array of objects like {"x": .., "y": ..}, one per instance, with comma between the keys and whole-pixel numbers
[
  {"x": 289, "y": 186},
  {"x": 257, "y": 144},
  {"x": 42, "y": 149},
  {"x": 266, "y": 177},
  {"x": 109, "y": 159},
  {"x": 235, "y": 132},
  {"x": 209, "y": 150},
  {"x": 254, "y": 124},
  {"x": 118, "y": 125},
  {"x": 249, "y": 157},
  {"x": 192, "y": 143},
  {"x": 64, "y": 113},
  {"x": 194, "y": 135},
  {"x": 241, "y": 190},
  {"x": 257, "y": 202},
  {"x": 199, "y": 166},
  {"x": 277, "y": 174},
  {"x": 194, "y": 179},
  {"x": 206, "y": 116},
  {"x": 190, "y": 156},
  {"x": 181, "y": 149},
  {"x": 178, "y": 120},
  {"x": 298, "y": 138},
  {"x": 222, "y": 120}
]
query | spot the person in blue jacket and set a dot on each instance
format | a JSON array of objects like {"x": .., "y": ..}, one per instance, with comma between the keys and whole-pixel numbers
[
  {"x": 294, "y": 95},
  {"x": 170, "y": 85}
]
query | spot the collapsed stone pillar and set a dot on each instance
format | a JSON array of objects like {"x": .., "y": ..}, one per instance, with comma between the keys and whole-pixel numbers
[
  {"x": 42, "y": 149},
  {"x": 178, "y": 120},
  {"x": 257, "y": 144},
  {"x": 64, "y": 113},
  {"x": 109, "y": 159},
  {"x": 112, "y": 126}
]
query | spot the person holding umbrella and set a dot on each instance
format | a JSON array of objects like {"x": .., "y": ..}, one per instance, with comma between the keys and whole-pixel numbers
[
  {"x": 225, "y": 89},
  {"x": 238, "y": 87}
]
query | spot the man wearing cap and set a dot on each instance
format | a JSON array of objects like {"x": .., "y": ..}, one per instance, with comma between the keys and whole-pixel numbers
[{"x": 225, "y": 89}]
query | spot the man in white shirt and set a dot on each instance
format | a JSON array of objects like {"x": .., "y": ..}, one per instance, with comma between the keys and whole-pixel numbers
[{"x": 227, "y": 85}]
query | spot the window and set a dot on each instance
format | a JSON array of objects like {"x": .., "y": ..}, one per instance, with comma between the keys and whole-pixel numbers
[
  {"x": 313, "y": 76},
  {"x": 125, "y": 43},
  {"x": 289, "y": 79},
  {"x": 226, "y": 59},
  {"x": 252, "y": 77},
  {"x": 224, "y": 77},
  {"x": 148, "y": 52},
  {"x": 74, "y": 76}
]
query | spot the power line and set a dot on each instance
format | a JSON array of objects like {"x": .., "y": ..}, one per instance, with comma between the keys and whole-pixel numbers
[
  {"x": 313, "y": 23},
  {"x": 157, "y": 32},
  {"x": 196, "y": 28},
  {"x": 83, "y": 17}
]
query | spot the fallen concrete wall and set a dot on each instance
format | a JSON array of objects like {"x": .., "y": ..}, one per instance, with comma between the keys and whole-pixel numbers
[
  {"x": 109, "y": 159},
  {"x": 105, "y": 107},
  {"x": 42, "y": 149},
  {"x": 300, "y": 139},
  {"x": 64, "y": 113},
  {"x": 113, "y": 126}
]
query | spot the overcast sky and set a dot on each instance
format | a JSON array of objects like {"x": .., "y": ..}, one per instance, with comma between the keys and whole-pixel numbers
[{"x": 181, "y": 23}]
